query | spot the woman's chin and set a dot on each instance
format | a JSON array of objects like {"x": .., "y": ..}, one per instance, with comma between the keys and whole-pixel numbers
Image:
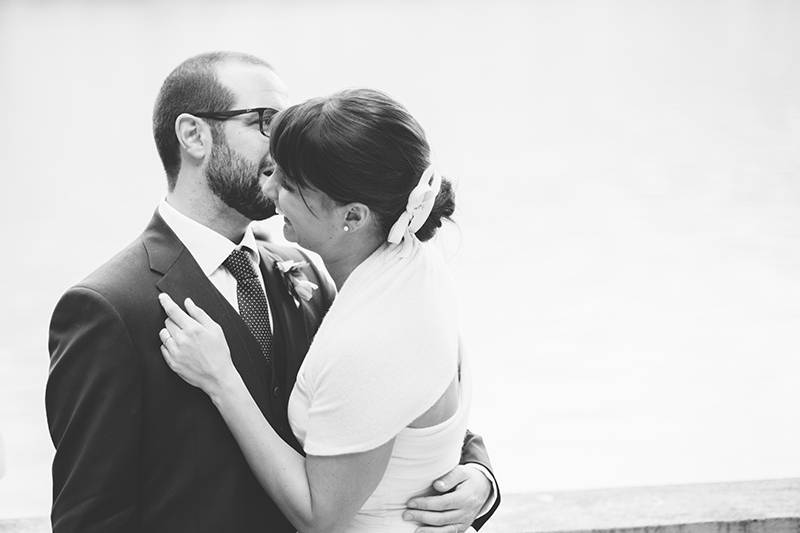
[{"x": 288, "y": 231}]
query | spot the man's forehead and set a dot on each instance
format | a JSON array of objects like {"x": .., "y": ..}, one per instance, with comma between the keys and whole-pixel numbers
[{"x": 253, "y": 85}]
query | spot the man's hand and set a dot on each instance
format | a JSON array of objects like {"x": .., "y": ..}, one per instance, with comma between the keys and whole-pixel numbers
[{"x": 463, "y": 492}]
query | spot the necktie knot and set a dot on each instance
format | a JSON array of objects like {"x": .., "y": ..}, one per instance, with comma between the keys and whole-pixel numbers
[{"x": 239, "y": 264}]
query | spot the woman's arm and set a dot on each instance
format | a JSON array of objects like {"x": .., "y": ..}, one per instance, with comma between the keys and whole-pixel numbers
[{"x": 316, "y": 493}]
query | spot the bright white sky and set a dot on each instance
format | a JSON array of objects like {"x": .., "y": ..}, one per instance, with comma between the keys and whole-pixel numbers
[{"x": 628, "y": 208}]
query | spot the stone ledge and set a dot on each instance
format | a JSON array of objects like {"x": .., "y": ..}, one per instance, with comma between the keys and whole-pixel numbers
[
  {"x": 752, "y": 506},
  {"x": 25, "y": 525},
  {"x": 771, "y": 506}
]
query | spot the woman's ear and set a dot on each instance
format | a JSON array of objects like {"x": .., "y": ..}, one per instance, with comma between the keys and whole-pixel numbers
[
  {"x": 356, "y": 216},
  {"x": 193, "y": 135}
]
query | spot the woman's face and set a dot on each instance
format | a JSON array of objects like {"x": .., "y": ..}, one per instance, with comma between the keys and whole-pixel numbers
[{"x": 311, "y": 219}]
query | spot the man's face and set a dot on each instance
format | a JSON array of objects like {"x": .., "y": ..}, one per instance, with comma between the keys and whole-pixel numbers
[{"x": 240, "y": 163}]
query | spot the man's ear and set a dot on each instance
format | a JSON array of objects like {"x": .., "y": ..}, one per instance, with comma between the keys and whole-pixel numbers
[
  {"x": 356, "y": 216},
  {"x": 193, "y": 135}
]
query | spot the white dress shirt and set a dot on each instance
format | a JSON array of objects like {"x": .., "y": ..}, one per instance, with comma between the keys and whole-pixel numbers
[{"x": 210, "y": 249}]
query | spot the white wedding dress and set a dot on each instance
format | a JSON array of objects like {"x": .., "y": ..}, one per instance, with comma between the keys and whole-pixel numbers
[{"x": 384, "y": 354}]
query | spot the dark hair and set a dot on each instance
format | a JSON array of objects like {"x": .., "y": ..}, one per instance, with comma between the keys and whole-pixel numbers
[
  {"x": 192, "y": 87},
  {"x": 358, "y": 145}
]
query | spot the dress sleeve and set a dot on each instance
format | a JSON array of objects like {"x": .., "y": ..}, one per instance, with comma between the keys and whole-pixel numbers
[{"x": 374, "y": 382}]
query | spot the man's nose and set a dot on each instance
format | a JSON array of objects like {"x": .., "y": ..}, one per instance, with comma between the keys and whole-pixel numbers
[
  {"x": 269, "y": 166},
  {"x": 271, "y": 188}
]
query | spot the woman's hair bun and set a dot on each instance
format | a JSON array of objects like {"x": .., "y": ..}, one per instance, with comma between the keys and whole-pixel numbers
[{"x": 443, "y": 208}]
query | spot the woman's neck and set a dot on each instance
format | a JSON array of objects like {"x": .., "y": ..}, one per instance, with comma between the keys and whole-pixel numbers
[{"x": 342, "y": 264}]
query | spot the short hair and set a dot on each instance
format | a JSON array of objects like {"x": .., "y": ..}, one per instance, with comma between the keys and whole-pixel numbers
[
  {"x": 358, "y": 145},
  {"x": 192, "y": 87}
]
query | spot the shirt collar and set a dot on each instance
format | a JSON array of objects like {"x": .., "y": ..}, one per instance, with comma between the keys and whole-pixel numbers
[{"x": 208, "y": 247}]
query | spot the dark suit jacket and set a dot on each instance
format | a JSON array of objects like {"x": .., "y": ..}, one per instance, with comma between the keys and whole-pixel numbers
[{"x": 137, "y": 448}]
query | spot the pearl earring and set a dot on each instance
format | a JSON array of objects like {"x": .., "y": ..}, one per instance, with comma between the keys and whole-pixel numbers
[{"x": 347, "y": 228}]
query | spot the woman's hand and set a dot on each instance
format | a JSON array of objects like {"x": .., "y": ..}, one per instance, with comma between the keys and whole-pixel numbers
[{"x": 194, "y": 346}]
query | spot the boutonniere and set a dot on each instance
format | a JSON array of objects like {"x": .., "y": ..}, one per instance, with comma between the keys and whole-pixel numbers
[{"x": 296, "y": 282}]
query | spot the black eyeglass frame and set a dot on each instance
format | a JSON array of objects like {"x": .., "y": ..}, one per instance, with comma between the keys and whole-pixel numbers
[{"x": 225, "y": 115}]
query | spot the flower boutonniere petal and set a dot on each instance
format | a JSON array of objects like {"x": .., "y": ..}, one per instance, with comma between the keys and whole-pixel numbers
[{"x": 298, "y": 285}]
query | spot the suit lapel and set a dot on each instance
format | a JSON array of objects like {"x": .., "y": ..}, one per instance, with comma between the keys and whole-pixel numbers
[
  {"x": 183, "y": 278},
  {"x": 291, "y": 320}
]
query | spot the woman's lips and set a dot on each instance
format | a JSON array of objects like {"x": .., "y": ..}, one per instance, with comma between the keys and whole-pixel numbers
[{"x": 279, "y": 212}]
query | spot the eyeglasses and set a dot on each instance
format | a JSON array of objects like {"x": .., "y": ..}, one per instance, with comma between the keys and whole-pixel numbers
[{"x": 265, "y": 116}]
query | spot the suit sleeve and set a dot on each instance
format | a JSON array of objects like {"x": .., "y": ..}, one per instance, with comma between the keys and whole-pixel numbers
[
  {"x": 93, "y": 402},
  {"x": 474, "y": 451}
]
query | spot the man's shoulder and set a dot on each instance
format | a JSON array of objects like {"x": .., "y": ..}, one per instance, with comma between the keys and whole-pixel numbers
[
  {"x": 121, "y": 276},
  {"x": 121, "y": 290}
]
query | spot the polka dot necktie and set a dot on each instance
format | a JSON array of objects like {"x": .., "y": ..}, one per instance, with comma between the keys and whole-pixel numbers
[{"x": 252, "y": 300}]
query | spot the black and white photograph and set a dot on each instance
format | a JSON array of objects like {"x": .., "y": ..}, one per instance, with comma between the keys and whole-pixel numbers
[{"x": 435, "y": 266}]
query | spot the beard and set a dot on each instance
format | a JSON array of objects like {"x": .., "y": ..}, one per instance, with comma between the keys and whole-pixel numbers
[{"x": 235, "y": 181}]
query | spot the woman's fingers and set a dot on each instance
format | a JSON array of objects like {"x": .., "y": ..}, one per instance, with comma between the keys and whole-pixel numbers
[
  {"x": 175, "y": 312},
  {"x": 167, "y": 340},
  {"x": 172, "y": 327},
  {"x": 167, "y": 357},
  {"x": 173, "y": 364},
  {"x": 164, "y": 335},
  {"x": 197, "y": 313}
]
